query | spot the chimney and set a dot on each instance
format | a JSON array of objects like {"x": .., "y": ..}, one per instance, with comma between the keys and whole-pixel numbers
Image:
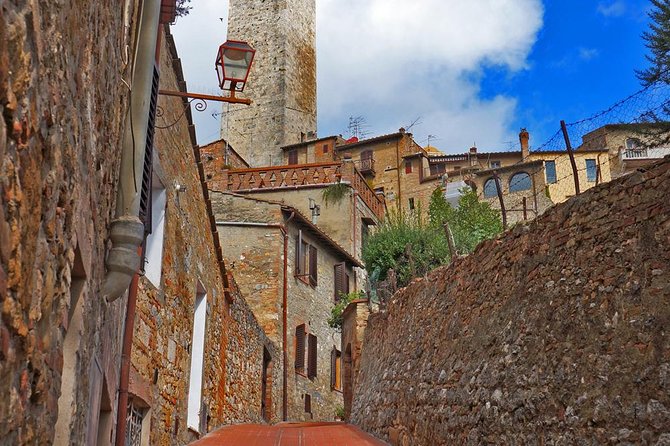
[
  {"x": 401, "y": 130},
  {"x": 473, "y": 150},
  {"x": 524, "y": 137}
]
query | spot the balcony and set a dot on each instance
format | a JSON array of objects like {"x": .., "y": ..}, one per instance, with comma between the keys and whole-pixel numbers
[
  {"x": 299, "y": 176},
  {"x": 643, "y": 153},
  {"x": 367, "y": 166}
]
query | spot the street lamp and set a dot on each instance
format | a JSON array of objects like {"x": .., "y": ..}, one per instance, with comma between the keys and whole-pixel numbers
[{"x": 233, "y": 64}]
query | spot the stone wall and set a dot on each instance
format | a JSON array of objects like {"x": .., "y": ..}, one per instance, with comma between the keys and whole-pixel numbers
[
  {"x": 282, "y": 82},
  {"x": 60, "y": 135},
  {"x": 555, "y": 333}
]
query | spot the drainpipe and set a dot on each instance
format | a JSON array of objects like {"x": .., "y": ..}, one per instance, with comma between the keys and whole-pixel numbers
[
  {"x": 397, "y": 159},
  {"x": 285, "y": 321},
  {"x": 122, "y": 411},
  {"x": 127, "y": 230}
]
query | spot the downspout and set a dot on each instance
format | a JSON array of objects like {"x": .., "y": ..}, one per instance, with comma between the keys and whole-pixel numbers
[
  {"x": 122, "y": 411},
  {"x": 284, "y": 408},
  {"x": 127, "y": 230}
]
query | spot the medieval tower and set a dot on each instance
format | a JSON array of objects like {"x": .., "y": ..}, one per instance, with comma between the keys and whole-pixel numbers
[{"x": 282, "y": 82}]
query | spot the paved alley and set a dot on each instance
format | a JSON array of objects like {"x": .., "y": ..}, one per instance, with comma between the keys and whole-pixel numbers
[{"x": 290, "y": 434}]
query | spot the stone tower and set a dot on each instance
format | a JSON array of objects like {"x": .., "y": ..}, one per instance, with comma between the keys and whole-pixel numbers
[{"x": 282, "y": 82}]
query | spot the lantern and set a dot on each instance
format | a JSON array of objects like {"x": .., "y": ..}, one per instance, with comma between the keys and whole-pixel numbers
[{"x": 233, "y": 63}]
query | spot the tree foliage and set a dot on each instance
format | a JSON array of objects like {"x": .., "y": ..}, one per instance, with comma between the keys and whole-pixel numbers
[
  {"x": 183, "y": 7},
  {"x": 336, "y": 320},
  {"x": 471, "y": 222},
  {"x": 407, "y": 244},
  {"x": 657, "y": 40},
  {"x": 412, "y": 247}
]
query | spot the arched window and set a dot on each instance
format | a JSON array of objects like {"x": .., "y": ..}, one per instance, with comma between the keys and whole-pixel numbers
[
  {"x": 490, "y": 188},
  {"x": 520, "y": 181}
]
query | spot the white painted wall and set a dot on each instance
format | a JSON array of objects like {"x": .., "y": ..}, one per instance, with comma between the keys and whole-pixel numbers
[
  {"x": 197, "y": 361},
  {"x": 154, "y": 254}
]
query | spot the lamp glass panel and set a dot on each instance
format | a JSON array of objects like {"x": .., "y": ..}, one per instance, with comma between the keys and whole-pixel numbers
[{"x": 236, "y": 63}]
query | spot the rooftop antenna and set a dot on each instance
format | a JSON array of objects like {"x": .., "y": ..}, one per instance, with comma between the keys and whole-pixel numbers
[
  {"x": 431, "y": 137},
  {"x": 358, "y": 127},
  {"x": 417, "y": 121}
]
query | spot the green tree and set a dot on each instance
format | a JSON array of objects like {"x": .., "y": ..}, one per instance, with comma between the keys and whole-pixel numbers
[
  {"x": 471, "y": 222},
  {"x": 407, "y": 244},
  {"x": 657, "y": 40}
]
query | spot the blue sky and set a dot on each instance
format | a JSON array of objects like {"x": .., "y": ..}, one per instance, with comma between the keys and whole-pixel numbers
[
  {"x": 472, "y": 72},
  {"x": 583, "y": 62}
]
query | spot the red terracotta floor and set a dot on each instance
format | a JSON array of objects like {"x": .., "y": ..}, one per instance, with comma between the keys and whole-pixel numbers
[{"x": 289, "y": 434}]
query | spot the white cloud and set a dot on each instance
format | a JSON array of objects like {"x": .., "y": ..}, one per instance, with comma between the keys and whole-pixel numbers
[
  {"x": 198, "y": 36},
  {"x": 588, "y": 53},
  {"x": 391, "y": 61},
  {"x": 612, "y": 9}
]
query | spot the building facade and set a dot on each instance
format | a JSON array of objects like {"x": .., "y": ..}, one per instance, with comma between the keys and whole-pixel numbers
[
  {"x": 282, "y": 82},
  {"x": 291, "y": 274}
]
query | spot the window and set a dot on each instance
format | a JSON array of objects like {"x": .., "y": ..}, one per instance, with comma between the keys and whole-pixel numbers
[
  {"x": 341, "y": 281},
  {"x": 154, "y": 243},
  {"x": 519, "y": 182},
  {"x": 308, "y": 403},
  {"x": 494, "y": 164},
  {"x": 411, "y": 204},
  {"x": 591, "y": 170},
  {"x": 490, "y": 189},
  {"x": 325, "y": 148},
  {"x": 194, "y": 414},
  {"x": 135, "y": 416},
  {"x": 306, "y": 263},
  {"x": 300, "y": 348},
  {"x": 335, "y": 369},
  {"x": 293, "y": 156},
  {"x": 550, "y": 171},
  {"x": 437, "y": 169},
  {"x": 408, "y": 167},
  {"x": 311, "y": 356}
]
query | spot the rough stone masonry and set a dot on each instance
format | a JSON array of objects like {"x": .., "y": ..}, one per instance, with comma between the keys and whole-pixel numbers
[{"x": 555, "y": 333}]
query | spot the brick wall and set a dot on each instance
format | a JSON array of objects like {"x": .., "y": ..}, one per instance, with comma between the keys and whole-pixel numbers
[
  {"x": 59, "y": 150},
  {"x": 555, "y": 333}
]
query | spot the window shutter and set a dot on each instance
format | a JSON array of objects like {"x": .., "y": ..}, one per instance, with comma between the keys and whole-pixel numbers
[
  {"x": 300, "y": 348},
  {"x": 147, "y": 170},
  {"x": 346, "y": 283},
  {"x": 312, "y": 265},
  {"x": 297, "y": 256},
  {"x": 339, "y": 281},
  {"x": 311, "y": 357},
  {"x": 308, "y": 403},
  {"x": 293, "y": 157},
  {"x": 333, "y": 367}
]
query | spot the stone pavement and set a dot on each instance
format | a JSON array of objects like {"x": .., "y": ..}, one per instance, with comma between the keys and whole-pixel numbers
[{"x": 289, "y": 434}]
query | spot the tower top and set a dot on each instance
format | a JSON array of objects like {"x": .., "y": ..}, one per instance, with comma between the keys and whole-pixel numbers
[{"x": 282, "y": 82}]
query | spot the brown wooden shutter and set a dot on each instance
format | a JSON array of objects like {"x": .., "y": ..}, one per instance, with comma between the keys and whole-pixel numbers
[
  {"x": 300, "y": 348},
  {"x": 346, "y": 283},
  {"x": 293, "y": 157},
  {"x": 333, "y": 367},
  {"x": 311, "y": 356},
  {"x": 296, "y": 270},
  {"x": 308, "y": 403},
  {"x": 147, "y": 170},
  {"x": 340, "y": 287},
  {"x": 313, "y": 264}
]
